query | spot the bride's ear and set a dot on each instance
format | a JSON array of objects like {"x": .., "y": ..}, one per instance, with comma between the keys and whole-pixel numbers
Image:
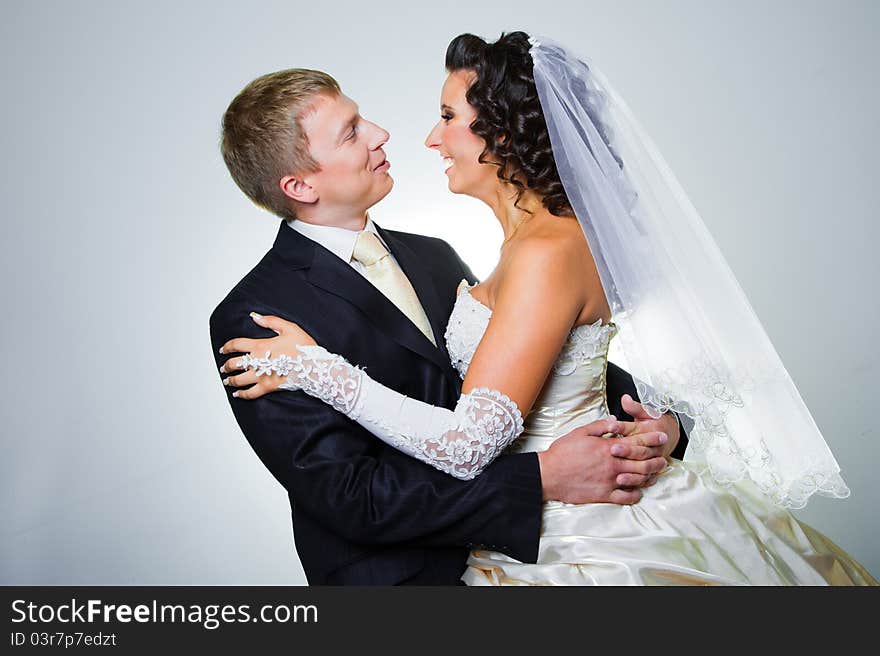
[{"x": 298, "y": 189}]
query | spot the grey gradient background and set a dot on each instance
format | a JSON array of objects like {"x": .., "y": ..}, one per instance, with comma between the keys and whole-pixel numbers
[{"x": 122, "y": 463}]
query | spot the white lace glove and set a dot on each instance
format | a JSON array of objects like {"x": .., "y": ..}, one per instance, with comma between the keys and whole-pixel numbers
[{"x": 460, "y": 442}]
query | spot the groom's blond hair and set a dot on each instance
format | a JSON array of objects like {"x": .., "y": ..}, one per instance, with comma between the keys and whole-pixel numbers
[{"x": 263, "y": 139}]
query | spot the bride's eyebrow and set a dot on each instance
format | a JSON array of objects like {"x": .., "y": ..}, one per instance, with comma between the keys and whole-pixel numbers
[{"x": 446, "y": 108}]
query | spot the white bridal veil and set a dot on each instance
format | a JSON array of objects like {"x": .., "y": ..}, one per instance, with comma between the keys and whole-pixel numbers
[{"x": 689, "y": 335}]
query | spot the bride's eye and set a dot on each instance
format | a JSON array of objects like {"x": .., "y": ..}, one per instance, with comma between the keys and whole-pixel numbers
[{"x": 446, "y": 117}]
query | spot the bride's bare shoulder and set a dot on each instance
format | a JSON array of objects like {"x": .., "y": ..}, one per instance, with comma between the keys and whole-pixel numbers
[
  {"x": 558, "y": 242},
  {"x": 556, "y": 262}
]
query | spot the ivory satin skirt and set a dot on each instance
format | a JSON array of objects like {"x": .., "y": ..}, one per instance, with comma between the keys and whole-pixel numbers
[{"x": 686, "y": 530}]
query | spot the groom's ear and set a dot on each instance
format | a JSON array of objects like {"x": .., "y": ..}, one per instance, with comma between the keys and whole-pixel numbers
[{"x": 298, "y": 189}]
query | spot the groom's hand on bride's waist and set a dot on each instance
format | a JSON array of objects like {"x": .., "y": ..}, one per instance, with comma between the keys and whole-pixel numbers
[
  {"x": 644, "y": 423},
  {"x": 585, "y": 467}
]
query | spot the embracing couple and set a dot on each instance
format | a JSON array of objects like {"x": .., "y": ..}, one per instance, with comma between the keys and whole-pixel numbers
[{"x": 431, "y": 429}]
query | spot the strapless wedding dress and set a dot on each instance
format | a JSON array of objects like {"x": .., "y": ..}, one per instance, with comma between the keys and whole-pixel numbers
[{"x": 686, "y": 530}]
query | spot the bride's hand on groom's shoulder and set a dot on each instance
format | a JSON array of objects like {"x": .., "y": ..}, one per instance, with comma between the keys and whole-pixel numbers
[{"x": 264, "y": 359}]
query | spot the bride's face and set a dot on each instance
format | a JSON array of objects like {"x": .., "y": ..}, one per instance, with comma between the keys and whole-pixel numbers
[{"x": 457, "y": 144}]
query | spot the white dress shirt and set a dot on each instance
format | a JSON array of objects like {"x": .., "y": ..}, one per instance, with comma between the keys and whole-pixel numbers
[{"x": 339, "y": 241}]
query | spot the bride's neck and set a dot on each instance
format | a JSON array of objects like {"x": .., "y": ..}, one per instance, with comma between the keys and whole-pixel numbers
[{"x": 510, "y": 212}]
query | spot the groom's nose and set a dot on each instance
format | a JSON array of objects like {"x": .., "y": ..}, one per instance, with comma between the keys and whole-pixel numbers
[{"x": 379, "y": 137}]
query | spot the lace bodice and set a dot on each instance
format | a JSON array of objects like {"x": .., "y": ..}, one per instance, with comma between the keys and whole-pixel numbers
[{"x": 574, "y": 393}]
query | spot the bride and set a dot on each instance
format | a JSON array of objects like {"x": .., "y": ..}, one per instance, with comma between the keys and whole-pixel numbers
[{"x": 599, "y": 239}]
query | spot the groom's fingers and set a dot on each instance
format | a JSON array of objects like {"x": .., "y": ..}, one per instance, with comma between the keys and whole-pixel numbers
[
  {"x": 649, "y": 438},
  {"x": 633, "y": 480},
  {"x": 599, "y": 427},
  {"x": 644, "y": 467},
  {"x": 636, "y": 451},
  {"x": 633, "y": 408},
  {"x": 627, "y": 427},
  {"x": 625, "y": 497}
]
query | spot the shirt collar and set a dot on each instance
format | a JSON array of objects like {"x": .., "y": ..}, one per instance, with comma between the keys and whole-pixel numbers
[{"x": 339, "y": 241}]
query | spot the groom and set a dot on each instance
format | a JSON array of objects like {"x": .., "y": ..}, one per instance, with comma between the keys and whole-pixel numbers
[{"x": 363, "y": 512}]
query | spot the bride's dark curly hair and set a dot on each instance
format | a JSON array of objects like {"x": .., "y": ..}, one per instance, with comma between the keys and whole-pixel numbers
[{"x": 509, "y": 116}]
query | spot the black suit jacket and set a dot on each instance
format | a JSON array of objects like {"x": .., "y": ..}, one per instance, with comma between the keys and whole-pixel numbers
[{"x": 363, "y": 512}]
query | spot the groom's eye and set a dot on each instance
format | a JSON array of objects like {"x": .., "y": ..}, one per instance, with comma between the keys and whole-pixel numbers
[{"x": 354, "y": 128}]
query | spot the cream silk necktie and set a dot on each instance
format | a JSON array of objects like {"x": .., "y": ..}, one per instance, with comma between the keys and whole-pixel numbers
[{"x": 388, "y": 278}]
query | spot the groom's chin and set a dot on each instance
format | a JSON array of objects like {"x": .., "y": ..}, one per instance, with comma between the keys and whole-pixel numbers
[{"x": 386, "y": 188}]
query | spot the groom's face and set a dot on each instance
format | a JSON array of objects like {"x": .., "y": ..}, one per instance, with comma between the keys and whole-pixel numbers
[{"x": 353, "y": 174}]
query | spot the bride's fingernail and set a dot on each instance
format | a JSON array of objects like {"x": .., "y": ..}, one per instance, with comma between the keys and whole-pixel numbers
[
  {"x": 663, "y": 438},
  {"x": 226, "y": 380},
  {"x": 254, "y": 315},
  {"x": 235, "y": 394},
  {"x": 221, "y": 351}
]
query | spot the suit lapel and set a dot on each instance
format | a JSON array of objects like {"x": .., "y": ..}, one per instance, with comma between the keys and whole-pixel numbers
[{"x": 331, "y": 274}]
